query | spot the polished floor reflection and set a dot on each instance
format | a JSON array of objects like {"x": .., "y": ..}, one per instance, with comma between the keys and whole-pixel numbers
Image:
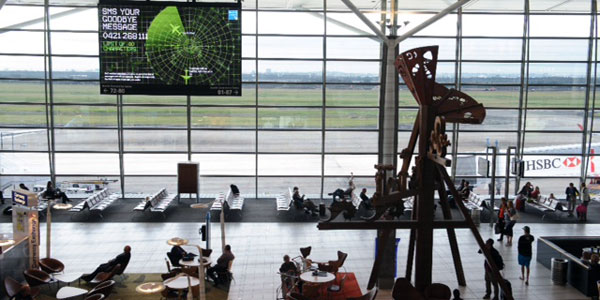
[{"x": 259, "y": 248}]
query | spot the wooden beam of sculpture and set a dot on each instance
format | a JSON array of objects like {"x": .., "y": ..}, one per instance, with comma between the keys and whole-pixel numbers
[
  {"x": 488, "y": 255},
  {"x": 417, "y": 67}
]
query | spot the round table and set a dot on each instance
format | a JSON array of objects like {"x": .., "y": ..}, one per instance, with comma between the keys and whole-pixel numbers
[
  {"x": 195, "y": 262},
  {"x": 66, "y": 277},
  {"x": 309, "y": 277},
  {"x": 150, "y": 288},
  {"x": 181, "y": 282},
  {"x": 70, "y": 292}
]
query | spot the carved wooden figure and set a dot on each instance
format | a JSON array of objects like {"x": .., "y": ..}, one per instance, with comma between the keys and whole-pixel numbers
[{"x": 437, "y": 105}]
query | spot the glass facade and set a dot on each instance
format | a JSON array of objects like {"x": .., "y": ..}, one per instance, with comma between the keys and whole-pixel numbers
[{"x": 310, "y": 109}]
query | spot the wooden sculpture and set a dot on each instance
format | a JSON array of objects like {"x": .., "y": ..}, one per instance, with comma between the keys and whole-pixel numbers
[{"x": 437, "y": 105}]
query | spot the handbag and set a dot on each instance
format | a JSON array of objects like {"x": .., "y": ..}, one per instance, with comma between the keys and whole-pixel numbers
[
  {"x": 498, "y": 228},
  {"x": 515, "y": 217}
]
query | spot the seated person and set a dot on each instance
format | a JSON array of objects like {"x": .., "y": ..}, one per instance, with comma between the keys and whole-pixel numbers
[
  {"x": 221, "y": 266},
  {"x": 52, "y": 193},
  {"x": 465, "y": 191},
  {"x": 177, "y": 253},
  {"x": 365, "y": 199},
  {"x": 288, "y": 267},
  {"x": 339, "y": 194},
  {"x": 351, "y": 186},
  {"x": 535, "y": 195},
  {"x": 300, "y": 202},
  {"x": 122, "y": 259},
  {"x": 234, "y": 189}
]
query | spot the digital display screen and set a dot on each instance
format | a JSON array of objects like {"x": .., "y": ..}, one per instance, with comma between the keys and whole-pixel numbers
[{"x": 170, "y": 48}]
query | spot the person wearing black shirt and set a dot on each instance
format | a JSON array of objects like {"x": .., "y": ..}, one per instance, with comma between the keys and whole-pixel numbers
[
  {"x": 121, "y": 259},
  {"x": 177, "y": 253},
  {"x": 300, "y": 202},
  {"x": 52, "y": 193},
  {"x": 288, "y": 268},
  {"x": 489, "y": 279},
  {"x": 222, "y": 265},
  {"x": 572, "y": 193},
  {"x": 525, "y": 253},
  {"x": 365, "y": 199}
]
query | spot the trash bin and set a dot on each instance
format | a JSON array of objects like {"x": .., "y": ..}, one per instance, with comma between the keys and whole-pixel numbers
[
  {"x": 558, "y": 272},
  {"x": 475, "y": 216}
]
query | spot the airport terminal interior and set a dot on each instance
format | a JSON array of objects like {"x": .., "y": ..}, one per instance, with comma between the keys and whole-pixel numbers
[{"x": 299, "y": 149}]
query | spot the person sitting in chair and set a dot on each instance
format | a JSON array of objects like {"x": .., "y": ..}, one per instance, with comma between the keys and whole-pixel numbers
[
  {"x": 52, "y": 193},
  {"x": 177, "y": 253},
  {"x": 301, "y": 202},
  {"x": 234, "y": 190},
  {"x": 221, "y": 266},
  {"x": 365, "y": 199},
  {"x": 122, "y": 259},
  {"x": 289, "y": 271}
]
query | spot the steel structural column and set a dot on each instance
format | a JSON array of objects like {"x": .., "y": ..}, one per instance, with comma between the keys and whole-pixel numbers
[
  {"x": 457, "y": 85},
  {"x": 593, "y": 92},
  {"x": 585, "y": 155},
  {"x": 256, "y": 105},
  {"x": 523, "y": 93},
  {"x": 50, "y": 92},
  {"x": 323, "y": 99},
  {"x": 388, "y": 141},
  {"x": 121, "y": 143}
]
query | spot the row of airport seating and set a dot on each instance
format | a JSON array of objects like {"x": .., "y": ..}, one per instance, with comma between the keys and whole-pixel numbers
[
  {"x": 229, "y": 203},
  {"x": 158, "y": 202},
  {"x": 96, "y": 203},
  {"x": 547, "y": 205}
]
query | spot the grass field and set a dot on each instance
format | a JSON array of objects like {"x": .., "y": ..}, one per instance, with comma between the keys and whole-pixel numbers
[{"x": 238, "y": 117}]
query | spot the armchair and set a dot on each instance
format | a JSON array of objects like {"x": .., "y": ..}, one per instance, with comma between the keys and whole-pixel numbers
[{"x": 35, "y": 277}]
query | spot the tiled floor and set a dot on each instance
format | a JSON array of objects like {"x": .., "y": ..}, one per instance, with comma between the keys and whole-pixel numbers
[{"x": 259, "y": 248}]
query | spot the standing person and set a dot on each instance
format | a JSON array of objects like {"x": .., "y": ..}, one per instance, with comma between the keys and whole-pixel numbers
[
  {"x": 501, "y": 222},
  {"x": 489, "y": 280},
  {"x": 222, "y": 265},
  {"x": 511, "y": 219},
  {"x": 525, "y": 253},
  {"x": 585, "y": 195},
  {"x": 526, "y": 190},
  {"x": 572, "y": 193}
]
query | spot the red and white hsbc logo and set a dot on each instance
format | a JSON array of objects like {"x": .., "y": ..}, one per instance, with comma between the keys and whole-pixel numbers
[{"x": 571, "y": 162}]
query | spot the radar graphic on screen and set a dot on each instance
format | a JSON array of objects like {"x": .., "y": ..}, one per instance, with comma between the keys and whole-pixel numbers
[{"x": 170, "y": 48}]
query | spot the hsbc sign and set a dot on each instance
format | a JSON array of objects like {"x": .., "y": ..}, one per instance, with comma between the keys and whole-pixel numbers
[
  {"x": 549, "y": 163},
  {"x": 547, "y": 166}
]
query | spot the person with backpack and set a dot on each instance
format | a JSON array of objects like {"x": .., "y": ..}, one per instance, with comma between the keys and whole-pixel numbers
[{"x": 489, "y": 279}]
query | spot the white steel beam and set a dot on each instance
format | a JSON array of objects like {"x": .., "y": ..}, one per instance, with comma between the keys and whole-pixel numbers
[
  {"x": 365, "y": 20},
  {"x": 429, "y": 21}
]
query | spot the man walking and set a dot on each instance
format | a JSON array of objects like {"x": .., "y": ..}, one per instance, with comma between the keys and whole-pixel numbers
[{"x": 525, "y": 253}]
